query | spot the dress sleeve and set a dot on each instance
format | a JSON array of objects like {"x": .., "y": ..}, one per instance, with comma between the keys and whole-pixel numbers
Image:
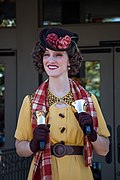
[
  {"x": 102, "y": 126},
  {"x": 24, "y": 127}
]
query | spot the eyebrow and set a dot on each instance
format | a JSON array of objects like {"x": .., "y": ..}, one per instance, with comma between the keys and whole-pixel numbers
[{"x": 55, "y": 52}]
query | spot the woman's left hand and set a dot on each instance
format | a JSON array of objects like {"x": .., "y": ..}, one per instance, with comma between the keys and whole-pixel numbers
[{"x": 85, "y": 120}]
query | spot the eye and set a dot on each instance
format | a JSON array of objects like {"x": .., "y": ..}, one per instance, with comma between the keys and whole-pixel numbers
[
  {"x": 45, "y": 54},
  {"x": 59, "y": 54}
]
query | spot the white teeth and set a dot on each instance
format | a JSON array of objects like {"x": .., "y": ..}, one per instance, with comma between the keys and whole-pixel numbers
[{"x": 52, "y": 67}]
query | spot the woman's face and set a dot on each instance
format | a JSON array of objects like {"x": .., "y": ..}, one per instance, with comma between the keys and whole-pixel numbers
[{"x": 55, "y": 63}]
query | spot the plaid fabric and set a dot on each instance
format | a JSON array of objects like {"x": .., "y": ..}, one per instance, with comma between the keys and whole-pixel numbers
[
  {"x": 42, "y": 160},
  {"x": 80, "y": 93}
]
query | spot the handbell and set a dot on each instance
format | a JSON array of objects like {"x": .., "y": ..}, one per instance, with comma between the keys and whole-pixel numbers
[
  {"x": 40, "y": 118},
  {"x": 81, "y": 106}
]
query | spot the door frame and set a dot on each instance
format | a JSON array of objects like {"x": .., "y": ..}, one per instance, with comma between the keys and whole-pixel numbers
[
  {"x": 117, "y": 109},
  {"x": 105, "y": 56},
  {"x": 8, "y": 59}
]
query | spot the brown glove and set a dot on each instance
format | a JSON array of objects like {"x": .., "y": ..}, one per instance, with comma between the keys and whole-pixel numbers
[
  {"x": 85, "y": 120},
  {"x": 40, "y": 134}
]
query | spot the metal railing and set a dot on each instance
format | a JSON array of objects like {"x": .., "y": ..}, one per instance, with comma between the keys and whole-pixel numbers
[{"x": 13, "y": 167}]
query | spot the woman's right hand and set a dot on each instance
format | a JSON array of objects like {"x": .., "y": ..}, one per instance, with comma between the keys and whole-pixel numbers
[{"x": 40, "y": 134}]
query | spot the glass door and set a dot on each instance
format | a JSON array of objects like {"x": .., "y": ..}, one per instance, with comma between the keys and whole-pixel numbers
[
  {"x": 117, "y": 110},
  {"x": 96, "y": 75},
  {"x": 7, "y": 98}
]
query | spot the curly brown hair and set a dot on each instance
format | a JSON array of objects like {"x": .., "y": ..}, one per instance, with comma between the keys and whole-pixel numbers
[{"x": 75, "y": 59}]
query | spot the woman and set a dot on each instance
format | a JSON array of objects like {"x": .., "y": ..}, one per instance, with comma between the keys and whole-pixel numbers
[{"x": 68, "y": 148}]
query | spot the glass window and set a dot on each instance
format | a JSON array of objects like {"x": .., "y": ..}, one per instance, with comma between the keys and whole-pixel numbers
[
  {"x": 60, "y": 12},
  {"x": 7, "y": 13},
  {"x": 2, "y": 91},
  {"x": 79, "y": 11},
  {"x": 89, "y": 77},
  {"x": 92, "y": 77}
]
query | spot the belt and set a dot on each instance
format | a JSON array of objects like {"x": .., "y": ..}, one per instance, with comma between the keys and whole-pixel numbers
[{"x": 60, "y": 150}]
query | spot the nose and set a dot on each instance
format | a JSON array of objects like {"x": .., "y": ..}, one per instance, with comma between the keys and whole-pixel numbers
[{"x": 51, "y": 58}]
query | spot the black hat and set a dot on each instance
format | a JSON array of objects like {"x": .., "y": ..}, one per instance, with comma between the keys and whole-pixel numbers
[{"x": 58, "y": 39}]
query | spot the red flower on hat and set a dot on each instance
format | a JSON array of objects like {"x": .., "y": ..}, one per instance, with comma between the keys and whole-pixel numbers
[{"x": 58, "y": 42}]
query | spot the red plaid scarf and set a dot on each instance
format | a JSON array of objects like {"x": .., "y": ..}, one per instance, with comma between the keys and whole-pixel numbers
[
  {"x": 42, "y": 160},
  {"x": 80, "y": 93}
]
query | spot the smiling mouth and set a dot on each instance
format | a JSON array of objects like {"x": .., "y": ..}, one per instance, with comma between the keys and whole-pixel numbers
[{"x": 52, "y": 67}]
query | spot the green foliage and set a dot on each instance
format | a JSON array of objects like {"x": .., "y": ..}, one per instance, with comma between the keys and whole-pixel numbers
[
  {"x": 8, "y": 23},
  {"x": 89, "y": 77},
  {"x": 92, "y": 78}
]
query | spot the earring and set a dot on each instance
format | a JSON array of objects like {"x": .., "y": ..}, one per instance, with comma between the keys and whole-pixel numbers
[{"x": 68, "y": 68}]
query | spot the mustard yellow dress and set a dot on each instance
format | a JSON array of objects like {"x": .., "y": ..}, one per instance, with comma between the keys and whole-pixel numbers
[{"x": 67, "y": 167}]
